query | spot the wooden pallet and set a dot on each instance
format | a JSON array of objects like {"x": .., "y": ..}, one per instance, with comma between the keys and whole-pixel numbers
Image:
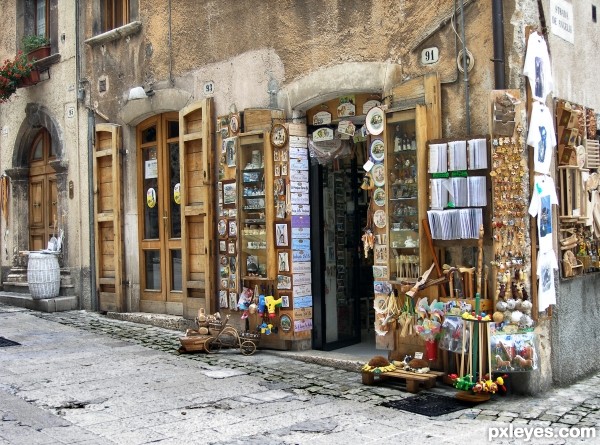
[
  {"x": 414, "y": 381},
  {"x": 593, "y": 154}
]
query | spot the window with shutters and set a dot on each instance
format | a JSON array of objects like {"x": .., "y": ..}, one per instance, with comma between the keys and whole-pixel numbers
[{"x": 115, "y": 13}]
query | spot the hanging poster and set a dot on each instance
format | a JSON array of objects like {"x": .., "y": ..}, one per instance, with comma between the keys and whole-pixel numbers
[
  {"x": 303, "y": 301},
  {"x": 300, "y": 243},
  {"x": 298, "y": 152},
  {"x": 298, "y": 164},
  {"x": 300, "y": 221},
  {"x": 302, "y": 290},
  {"x": 299, "y": 198},
  {"x": 300, "y": 255},
  {"x": 299, "y": 175},
  {"x": 297, "y": 186},
  {"x": 151, "y": 170},
  {"x": 301, "y": 209},
  {"x": 301, "y": 267},
  {"x": 300, "y": 232},
  {"x": 303, "y": 325},
  {"x": 302, "y": 278}
]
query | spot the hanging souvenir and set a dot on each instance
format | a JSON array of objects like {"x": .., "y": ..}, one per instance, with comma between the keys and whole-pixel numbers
[
  {"x": 377, "y": 150},
  {"x": 222, "y": 227},
  {"x": 151, "y": 198},
  {"x": 322, "y": 118},
  {"x": 379, "y": 219},
  {"x": 234, "y": 123},
  {"x": 346, "y": 107},
  {"x": 378, "y": 173},
  {"x": 177, "y": 193},
  {"x": 379, "y": 197},
  {"x": 368, "y": 240},
  {"x": 374, "y": 121},
  {"x": 278, "y": 135}
]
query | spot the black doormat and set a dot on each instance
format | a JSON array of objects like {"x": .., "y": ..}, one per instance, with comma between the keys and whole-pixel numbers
[
  {"x": 428, "y": 404},
  {"x": 7, "y": 342}
]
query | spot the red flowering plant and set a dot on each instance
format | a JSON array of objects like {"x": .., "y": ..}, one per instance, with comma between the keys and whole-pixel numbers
[{"x": 12, "y": 74}]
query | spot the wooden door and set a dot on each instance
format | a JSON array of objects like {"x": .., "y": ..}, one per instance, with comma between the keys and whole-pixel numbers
[
  {"x": 43, "y": 196},
  {"x": 197, "y": 222},
  {"x": 160, "y": 215},
  {"x": 108, "y": 222}
]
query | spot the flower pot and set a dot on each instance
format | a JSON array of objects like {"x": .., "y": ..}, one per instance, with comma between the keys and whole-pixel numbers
[
  {"x": 431, "y": 348},
  {"x": 32, "y": 79},
  {"x": 39, "y": 53}
]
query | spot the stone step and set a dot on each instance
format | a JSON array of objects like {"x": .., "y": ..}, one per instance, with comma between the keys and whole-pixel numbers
[{"x": 57, "y": 304}]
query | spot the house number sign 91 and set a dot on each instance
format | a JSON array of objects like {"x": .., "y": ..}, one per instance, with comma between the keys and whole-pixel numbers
[
  {"x": 209, "y": 88},
  {"x": 430, "y": 55}
]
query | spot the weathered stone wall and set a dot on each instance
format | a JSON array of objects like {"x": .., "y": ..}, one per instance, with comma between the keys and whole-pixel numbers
[{"x": 56, "y": 97}]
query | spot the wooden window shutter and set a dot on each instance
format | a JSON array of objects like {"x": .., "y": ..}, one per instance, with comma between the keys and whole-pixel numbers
[
  {"x": 108, "y": 223},
  {"x": 197, "y": 212}
]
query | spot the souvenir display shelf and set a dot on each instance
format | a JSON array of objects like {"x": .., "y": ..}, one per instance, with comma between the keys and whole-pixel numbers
[
  {"x": 402, "y": 194},
  {"x": 256, "y": 207}
]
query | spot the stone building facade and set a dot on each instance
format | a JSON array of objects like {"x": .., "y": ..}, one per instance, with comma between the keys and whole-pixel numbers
[{"x": 139, "y": 64}]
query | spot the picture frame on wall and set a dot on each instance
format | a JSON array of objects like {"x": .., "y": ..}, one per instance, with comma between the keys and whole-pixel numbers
[
  {"x": 223, "y": 300},
  {"x": 285, "y": 301},
  {"x": 233, "y": 301},
  {"x": 231, "y": 247},
  {"x": 284, "y": 282},
  {"x": 232, "y": 228},
  {"x": 229, "y": 193},
  {"x": 281, "y": 235},
  {"x": 222, "y": 246},
  {"x": 283, "y": 261},
  {"x": 280, "y": 209},
  {"x": 230, "y": 149}
]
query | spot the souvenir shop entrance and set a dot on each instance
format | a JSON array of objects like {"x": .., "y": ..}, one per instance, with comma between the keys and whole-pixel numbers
[{"x": 342, "y": 276}]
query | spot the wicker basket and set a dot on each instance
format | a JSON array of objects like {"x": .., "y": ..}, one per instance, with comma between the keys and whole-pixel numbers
[{"x": 43, "y": 275}]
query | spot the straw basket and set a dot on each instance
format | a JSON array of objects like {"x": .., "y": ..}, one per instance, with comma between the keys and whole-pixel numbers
[{"x": 43, "y": 275}]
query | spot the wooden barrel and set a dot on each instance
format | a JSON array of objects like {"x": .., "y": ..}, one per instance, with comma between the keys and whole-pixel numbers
[{"x": 43, "y": 275}]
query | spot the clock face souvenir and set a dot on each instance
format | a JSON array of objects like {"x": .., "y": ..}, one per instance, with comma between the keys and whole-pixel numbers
[{"x": 278, "y": 135}]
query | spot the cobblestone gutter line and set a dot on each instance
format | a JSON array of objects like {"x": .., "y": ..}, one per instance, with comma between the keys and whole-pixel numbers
[{"x": 577, "y": 405}]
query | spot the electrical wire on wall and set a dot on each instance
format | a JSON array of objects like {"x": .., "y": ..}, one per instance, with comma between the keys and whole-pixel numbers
[{"x": 465, "y": 71}]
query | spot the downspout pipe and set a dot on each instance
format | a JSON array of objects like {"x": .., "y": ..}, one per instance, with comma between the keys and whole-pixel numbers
[
  {"x": 498, "y": 34},
  {"x": 91, "y": 137},
  {"x": 465, "y": 70}
]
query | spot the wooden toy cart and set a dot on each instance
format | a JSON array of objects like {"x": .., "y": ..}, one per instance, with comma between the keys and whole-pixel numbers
[{"x": 226, "y": 337}]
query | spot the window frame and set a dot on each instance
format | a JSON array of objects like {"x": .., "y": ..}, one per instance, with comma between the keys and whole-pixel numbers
[{"x": 115, "y": 13}]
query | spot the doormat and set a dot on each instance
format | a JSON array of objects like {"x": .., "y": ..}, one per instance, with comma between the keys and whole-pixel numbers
[
  {"x": 428, "y": 404},
  {"x": 7, "y": 342}
]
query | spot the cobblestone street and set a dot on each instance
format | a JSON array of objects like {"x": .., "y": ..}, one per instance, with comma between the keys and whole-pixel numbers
[{"x": 95, "y": 372}]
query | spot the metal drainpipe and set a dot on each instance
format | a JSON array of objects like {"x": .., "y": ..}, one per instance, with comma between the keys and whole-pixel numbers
[
  {"x": 498, "y": 33},
  {"x": 91, "y": 137},
  {"x": 465, "y": 71}
]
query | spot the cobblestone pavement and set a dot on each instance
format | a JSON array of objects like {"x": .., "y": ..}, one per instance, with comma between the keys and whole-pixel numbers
[{"x": 574, "y": 406}]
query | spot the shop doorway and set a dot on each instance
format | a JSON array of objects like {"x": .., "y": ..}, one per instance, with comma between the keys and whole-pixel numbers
[
  {"x": 342, "y": 276},
  {"x": 160, "y": 215},
  {"x": 43, "y": 195}
]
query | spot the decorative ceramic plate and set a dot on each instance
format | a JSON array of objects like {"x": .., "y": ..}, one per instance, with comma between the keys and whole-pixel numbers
[
  {"x": 379, "y": 219},
  {"x": 377, "y": 149},
  {"x": 378, "y": 173},
  {"x": 222, "y": 227},
  {"x": 374, "y": 121},
  {"x": 278, "y": 135},
  {"x": 379, "y": 197}
]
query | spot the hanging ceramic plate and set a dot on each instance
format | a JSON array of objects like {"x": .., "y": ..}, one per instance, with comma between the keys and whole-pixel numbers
[
  {"x": 222, "y": 227},
  {"x": 379, "y": 197},
  {"x": 374, "y": 121},
  {"x": 377, "y": 150},
  {"x": 379, "y": 219},
  {"x": 378, "y": 173}
]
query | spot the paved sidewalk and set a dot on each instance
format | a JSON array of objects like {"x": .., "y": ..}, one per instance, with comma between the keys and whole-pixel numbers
[{"x": 96, "y": 351}]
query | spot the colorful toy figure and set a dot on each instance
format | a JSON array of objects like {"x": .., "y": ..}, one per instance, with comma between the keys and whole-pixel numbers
[{"x": 272, "y": 303}]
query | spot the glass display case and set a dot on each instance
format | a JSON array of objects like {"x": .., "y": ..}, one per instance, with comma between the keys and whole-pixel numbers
[
  {"x": 256, "y": 206},
  {"x": 402, "y": 196}
]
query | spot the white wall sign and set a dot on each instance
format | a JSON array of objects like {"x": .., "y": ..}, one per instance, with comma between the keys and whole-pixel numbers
[
  {"x": 430, "y": 55},
  {"x": 70, "y": 112},
  {"x": 561, "y": 16}
]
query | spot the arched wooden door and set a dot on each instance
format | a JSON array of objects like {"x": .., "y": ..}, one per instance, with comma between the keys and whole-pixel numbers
[{"x": 43, "y": 196}]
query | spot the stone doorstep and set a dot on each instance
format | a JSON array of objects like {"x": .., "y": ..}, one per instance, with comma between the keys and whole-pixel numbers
[{"x": 58, "y": 304}]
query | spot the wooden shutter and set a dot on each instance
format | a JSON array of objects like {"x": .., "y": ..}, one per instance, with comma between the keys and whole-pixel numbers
[
  {"x": 108, "y": 210},
  {"x": 197, "y": 217}
]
